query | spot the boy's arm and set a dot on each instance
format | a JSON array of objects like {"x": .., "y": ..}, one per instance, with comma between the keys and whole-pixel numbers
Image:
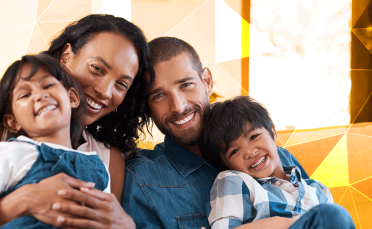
[{"x": 230, "y": 205}]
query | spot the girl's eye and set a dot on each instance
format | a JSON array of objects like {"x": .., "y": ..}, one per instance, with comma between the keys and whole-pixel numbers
[
  {"x": 24, "y": 96},
  {"x": 185, "y": 85},
  {"x": 234, "y": 152},
  {"x": 254, "y": 137}
]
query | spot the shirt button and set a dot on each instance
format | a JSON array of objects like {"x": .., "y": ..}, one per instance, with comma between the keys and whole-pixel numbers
[{"x": 277, "y": 183}]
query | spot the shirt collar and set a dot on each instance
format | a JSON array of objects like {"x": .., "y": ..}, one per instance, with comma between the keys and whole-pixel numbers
[
  {"x": 293, "y": 171},
  {"x": 182, "y": 159}
]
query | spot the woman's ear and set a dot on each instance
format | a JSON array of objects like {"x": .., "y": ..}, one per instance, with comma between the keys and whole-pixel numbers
[
  {"x": 66, "y": 54},
  {"x": 11, "y": 123},
  {"x": 74, "y": 98}
]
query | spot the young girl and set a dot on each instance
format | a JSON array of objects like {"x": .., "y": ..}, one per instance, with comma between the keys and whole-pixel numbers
[
  {"x": 239, "y": 140},
  {"x": 39, "y": 103}
]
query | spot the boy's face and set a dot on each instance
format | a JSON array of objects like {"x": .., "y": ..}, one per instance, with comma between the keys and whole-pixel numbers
[
  {"x": 254, "y": 153},
  {"x": 40, "y": 105}
]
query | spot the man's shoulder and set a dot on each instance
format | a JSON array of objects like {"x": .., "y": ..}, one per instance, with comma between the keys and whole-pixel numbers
[{"x": 145, "y": 158}]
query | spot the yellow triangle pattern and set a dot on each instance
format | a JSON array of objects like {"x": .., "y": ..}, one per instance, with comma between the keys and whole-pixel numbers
[{"x": 334, "y": 170}]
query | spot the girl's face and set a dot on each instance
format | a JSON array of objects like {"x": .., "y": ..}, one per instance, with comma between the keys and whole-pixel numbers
[
  {"x": 41, "y": 106},
  {"x": 105, "y": 67}
]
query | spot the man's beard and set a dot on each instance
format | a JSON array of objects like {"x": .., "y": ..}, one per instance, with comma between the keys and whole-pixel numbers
[{"x": 192, "y": 135}]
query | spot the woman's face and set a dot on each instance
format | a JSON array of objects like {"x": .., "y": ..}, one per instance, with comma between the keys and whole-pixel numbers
[{"x": 105, "y": 67}]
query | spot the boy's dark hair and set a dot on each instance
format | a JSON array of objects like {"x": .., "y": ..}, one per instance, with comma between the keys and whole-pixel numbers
[
  {"x": 165, "y": 48},
  {"x": 12, "y": 76},
  {"x": 119, "y": 128},
  {"x": 226, "y": 122}
]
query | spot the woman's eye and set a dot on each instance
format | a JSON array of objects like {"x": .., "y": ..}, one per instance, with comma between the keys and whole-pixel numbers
[
  {"x": 254, "y": 137},
  {"x": 96, "y": 68},
  {"x": 234, "y": 152},
  {"x": 124, "y": 85},
  {"x": 185, "y": 85}
]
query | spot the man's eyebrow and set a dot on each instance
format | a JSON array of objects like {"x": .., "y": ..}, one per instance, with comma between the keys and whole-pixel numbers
[
  {"x": 184, "y": 80},
  {"x": 103, "y": 61},
  {"x": 156, "y": 91}
]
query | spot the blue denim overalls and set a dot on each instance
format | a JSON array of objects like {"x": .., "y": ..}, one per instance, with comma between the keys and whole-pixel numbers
[{"x": 51, "y": 161}]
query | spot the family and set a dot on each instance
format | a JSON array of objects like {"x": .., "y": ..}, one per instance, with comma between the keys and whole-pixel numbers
[{"x": 72, "y": 114}]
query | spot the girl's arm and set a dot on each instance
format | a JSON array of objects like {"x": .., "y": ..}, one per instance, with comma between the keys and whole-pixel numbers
[
  {"x": 117, "y": 172},
  {"x": 37, "y": 199}
]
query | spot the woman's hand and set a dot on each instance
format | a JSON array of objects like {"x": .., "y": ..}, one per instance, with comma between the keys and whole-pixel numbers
[
  {"x": 98, "y": 210},
  {"x": 37, "y": 199}
]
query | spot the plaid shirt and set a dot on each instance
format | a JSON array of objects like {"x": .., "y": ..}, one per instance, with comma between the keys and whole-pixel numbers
[{"x": 237, "y": 198}]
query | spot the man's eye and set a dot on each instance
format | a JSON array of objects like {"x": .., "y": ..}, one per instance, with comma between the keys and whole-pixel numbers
[
  {"x": 234, "y": 152},
  {"x": 254, "y": 137},
  {"x": 185, "y": 85}
]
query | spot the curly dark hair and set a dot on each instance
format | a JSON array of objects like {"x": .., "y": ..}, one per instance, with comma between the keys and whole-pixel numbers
[
  {"x": 11, "y": 77},
  {"x": 119, "y": 128}
]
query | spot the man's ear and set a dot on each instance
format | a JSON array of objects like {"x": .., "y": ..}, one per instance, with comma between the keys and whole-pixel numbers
[
  {"x": 74, "y": 98},
  {"x": 208, "y": 80},
  {"x": 275, "y": 134},
  {"x": 67, "y": 54},
  {"x": 11, "y": 123}
]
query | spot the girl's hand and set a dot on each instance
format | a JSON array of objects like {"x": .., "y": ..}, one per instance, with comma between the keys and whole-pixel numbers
[{"x": 98, "y": 210}]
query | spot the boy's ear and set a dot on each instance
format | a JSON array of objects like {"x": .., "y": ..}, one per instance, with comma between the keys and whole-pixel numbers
[
  {"x": 11, "y": 123},
  {"x": 67, "y": 54},
  {"x": 208, "y": 80},
  {"x": 74, "y": 98},
  {"x": 275, "y": 134}
]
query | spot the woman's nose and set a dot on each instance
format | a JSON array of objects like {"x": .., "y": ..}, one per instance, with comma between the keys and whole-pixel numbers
[{"x": 104, "y": 88}]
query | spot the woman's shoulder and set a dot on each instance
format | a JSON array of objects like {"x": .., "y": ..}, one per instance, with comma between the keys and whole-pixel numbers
[{"x": 92, "y": 144}]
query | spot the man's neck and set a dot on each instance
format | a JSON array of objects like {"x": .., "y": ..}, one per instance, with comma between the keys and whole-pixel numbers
[{"x": 195, "y": 149}]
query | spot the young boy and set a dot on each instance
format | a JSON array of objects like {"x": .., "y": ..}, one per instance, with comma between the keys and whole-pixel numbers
[{"x": 239, "y": 140}]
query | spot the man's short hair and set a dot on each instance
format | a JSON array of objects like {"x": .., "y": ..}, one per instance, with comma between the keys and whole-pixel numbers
[{"x": 165, "y": 48}]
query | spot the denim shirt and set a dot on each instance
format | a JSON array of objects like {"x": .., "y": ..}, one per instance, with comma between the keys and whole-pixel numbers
[{"x": 169, "y": 186}]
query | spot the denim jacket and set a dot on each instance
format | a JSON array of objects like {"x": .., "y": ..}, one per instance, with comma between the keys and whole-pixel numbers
[{"x": 169, "y": 186}]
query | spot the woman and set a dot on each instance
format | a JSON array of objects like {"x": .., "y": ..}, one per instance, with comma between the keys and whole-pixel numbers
[{"x": 108, "y": 55}]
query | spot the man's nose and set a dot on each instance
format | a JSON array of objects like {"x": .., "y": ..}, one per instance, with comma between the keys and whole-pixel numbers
[
  {"x": 104, "y": 88},
  {"x": 178, "y": 103}
]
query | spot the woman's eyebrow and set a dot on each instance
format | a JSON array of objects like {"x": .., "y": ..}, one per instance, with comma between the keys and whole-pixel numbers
[{"x": 103, "y": 61}]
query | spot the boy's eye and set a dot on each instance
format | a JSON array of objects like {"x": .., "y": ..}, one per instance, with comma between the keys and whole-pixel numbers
[
  {"x": 254, "y": 137},
  {"x": 233, "y": 152}
]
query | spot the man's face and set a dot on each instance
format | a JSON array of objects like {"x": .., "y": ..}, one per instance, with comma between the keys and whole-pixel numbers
[{"x": 179, "y": 99}]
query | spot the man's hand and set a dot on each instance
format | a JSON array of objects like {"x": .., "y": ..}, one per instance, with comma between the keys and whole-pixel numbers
[{"x": 270, "y": 223}]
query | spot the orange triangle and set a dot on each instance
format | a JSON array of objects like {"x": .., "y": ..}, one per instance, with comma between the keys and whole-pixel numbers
[
  {"x": 348, "y": 203},
  {"x": 233, "y": 67},
  {"x": 361, "y": 128},
  {"x": 37, "y": 43},
  {"x": 311, "y": 154},
  {"x": 363, "y": 207},
  {"x": 66, "y": 10},
  {"x": 285, "y": 135},
  {"x": 51, "y": 30},
  {"x": 360, "y": 12},
  {"x": 364, "y": 35},
  {"x": 359, "y": 151},
  {"x": 156, "y": 18},
  {"x": 303, "y": 136},
  {"x": 42, "y": 6},
  {"x": 364, "y": 56},
  {"x": 364, "y": 187},
  {"x": 338, "y": 193},
  {"x": 224, "y": 84}
]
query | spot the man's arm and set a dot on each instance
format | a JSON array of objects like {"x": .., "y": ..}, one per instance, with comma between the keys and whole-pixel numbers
[
  {"x": 272, "y": 223},
  {"x": 138, "y": 204}
]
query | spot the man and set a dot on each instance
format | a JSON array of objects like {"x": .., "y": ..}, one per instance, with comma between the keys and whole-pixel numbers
[{"x": 169, "y": 186}]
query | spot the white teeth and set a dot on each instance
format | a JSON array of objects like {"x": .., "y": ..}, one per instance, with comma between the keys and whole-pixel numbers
[
  {"x": 46, "y": 109},
  {"x": 185, "y": 120},
  {"x": 93, "y": 104},
  {"x": 259, "y": 162}
]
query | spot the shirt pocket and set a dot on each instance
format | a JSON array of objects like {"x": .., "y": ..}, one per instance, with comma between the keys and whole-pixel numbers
[{"x": 193, "y": 221}]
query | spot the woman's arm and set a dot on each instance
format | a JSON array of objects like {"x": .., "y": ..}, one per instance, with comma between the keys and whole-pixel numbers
[
  {"x": 117, "y": 172},
  {"x": 37, "y": 199}
]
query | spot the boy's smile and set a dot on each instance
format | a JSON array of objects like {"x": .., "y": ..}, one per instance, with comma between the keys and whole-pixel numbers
[{"x": 254, "y": 152}]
